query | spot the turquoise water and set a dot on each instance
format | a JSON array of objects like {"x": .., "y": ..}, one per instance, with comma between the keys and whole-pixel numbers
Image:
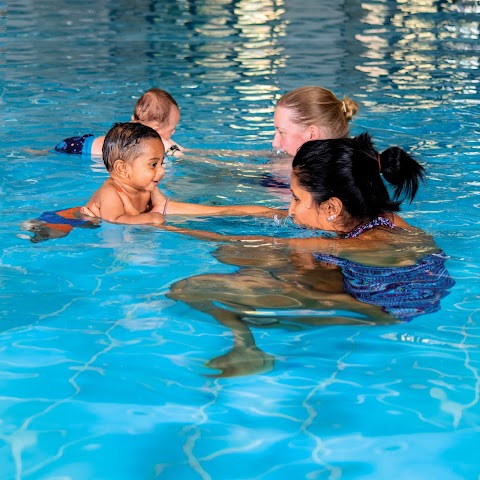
[{"x": 102, "y": 375}]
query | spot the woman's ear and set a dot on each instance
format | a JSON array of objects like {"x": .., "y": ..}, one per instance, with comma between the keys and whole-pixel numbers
[
  {"x": 334, "y": 207},
  {"x": 318, "y": 133},
  {"x": 120, "y": 168},
  {"x": 314, "y": 132}
]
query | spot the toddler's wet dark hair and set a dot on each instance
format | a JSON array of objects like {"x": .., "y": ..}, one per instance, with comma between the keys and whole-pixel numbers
[{"x": 124, "y": 141}]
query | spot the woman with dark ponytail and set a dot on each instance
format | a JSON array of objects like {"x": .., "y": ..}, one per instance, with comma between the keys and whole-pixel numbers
[
  {"x": 371, "y": 267},
  {"x": 340, "y": 183},
  {"x": 337, "y": 186}
]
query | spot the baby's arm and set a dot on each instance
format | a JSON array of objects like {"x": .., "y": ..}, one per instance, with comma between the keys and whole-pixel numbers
[
  {"x": 107, "y": 204},
  {"x": 172, "y": 148}
]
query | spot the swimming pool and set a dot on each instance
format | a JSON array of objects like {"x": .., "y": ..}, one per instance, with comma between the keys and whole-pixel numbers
[{"x": 102, "y": 375}]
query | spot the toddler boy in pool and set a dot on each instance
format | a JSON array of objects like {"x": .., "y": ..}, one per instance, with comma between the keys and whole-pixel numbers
[
  {"x": 133, "y": 154},
  {"x": 156, "y": 108}
]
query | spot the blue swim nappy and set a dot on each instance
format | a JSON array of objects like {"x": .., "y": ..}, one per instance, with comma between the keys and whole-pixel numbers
[{"x": 76, "y": 145}]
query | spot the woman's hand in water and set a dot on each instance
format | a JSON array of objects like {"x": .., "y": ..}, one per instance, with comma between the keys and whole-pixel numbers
[{"x": 241, "y": 360}]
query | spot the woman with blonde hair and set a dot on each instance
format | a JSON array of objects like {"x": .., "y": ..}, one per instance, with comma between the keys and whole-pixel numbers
[
  {"x": 310, "y": 113},
  {"x": 304, "y": 114}
]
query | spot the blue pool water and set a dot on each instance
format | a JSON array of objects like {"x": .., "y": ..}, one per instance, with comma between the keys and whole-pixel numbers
[{"x": 102, "y": 374}]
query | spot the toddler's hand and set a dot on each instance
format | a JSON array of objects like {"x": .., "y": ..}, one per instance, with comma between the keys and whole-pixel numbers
[
  {"x": 155, "y": 218},
  {"x": 87, "y": 212}
]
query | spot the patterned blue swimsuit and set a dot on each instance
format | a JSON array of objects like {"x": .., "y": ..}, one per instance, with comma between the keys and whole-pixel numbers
[
  {"x": 76, "y": 145},
  {"x": 404, "y": 292},
  {"x": 376, "y": 222}
]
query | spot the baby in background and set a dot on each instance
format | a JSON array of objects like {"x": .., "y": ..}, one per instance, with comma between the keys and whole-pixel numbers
[
  {"x": 133, "y": 154},
  {"x": 156, "y": 108}
]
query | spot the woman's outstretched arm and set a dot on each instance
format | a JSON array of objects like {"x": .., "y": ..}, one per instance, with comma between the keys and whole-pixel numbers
[
  {"x": 167, "y": 206},
  {"x": 404, "y": 247}
]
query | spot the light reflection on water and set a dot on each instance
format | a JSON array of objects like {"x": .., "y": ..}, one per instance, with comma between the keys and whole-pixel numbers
[{"x": 431, "y": 50}]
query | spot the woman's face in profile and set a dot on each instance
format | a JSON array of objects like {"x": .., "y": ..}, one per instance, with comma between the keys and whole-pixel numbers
[
  {"x": 303, "y": 209},
  {"x": 289, "y": 136}
]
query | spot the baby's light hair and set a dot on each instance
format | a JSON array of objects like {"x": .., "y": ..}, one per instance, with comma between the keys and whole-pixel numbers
[{"x": 154, "y": 105}]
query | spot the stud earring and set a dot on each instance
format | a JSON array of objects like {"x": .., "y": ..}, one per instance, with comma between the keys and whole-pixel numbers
[{"x": 331, "y": 218}]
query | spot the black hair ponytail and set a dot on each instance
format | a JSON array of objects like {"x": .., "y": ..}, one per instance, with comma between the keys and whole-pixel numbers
[
  {"x": 402, "y": 171},
  {"x": 351, "y": 169}
]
